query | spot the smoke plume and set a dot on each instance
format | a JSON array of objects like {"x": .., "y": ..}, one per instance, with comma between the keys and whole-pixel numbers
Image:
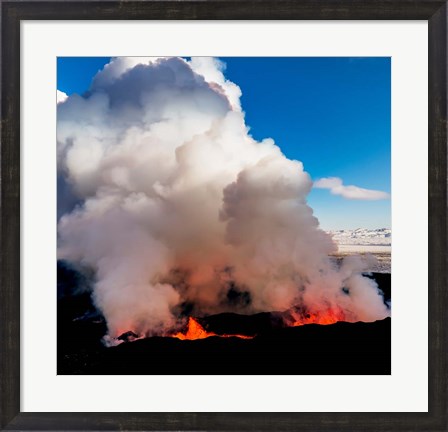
[{"x": 167, "y": 197}]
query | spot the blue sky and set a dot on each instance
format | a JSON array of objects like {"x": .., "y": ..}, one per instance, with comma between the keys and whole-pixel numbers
[{"x": 333, "y": 114}]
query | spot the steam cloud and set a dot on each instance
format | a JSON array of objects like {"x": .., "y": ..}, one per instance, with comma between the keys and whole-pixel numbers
[
  {"x": 60, "y": 96},
  {"x": 164, "y": 193}
]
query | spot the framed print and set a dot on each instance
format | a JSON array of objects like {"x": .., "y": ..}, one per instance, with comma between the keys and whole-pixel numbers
[
  {"x": 198, "y": 205},
  {"x": 242, "y": 312}
]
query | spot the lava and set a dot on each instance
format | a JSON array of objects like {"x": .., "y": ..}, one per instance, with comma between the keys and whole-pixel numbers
[
  {"x": 330, "y": 316},
  {"x": 196, "y": 331}
]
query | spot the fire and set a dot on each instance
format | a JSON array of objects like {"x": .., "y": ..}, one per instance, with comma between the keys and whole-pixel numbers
[
  {"x": 330, "y": 316},
  {"x": 196, "y": 331}
]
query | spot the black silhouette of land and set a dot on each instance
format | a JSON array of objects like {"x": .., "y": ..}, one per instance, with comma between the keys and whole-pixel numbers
[{"x": 341, "y": 348}]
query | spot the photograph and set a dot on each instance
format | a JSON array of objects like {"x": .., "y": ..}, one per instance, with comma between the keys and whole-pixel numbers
[
  {"x": 223, "y": 216},
  {"x": 198, "y": 202}
]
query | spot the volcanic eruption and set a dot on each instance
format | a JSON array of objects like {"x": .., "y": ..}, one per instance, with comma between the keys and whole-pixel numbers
[{"x": 178, "y": 212}]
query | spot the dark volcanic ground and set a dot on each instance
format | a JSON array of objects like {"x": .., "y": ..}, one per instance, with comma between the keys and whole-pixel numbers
[{"x": 341, "y": 348}]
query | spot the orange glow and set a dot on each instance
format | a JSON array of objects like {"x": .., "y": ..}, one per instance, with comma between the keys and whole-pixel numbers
[
  {"x": 196, "y": 331},
  {"x": 330, "y": 316}
]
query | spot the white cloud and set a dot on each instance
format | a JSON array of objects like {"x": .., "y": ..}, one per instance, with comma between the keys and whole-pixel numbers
[
  {"x": 337, "y": 187},
  {"x": 60, "y": 96}
]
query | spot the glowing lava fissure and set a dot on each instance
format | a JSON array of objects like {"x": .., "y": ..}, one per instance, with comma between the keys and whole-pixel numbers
[
  {"x": 196, "y": 331},
  {"x": 330, "y": 316}
]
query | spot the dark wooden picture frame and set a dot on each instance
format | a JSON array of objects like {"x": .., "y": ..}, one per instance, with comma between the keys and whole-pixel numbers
[{"x": 13, "y": 12}]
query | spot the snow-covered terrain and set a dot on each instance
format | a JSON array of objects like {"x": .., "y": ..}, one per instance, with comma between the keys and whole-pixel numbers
[
  {"x": 363, "y": 236},
  {"x": 362, "y": 240}
]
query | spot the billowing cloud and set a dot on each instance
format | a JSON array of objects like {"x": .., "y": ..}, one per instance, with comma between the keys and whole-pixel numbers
[
  {"x": 60, "y": 96},
  {"x": 337, "y": 187},
  {"x": 175, "y": 204}
]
